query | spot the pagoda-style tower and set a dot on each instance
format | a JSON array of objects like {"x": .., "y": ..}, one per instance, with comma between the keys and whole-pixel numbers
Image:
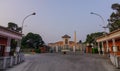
[
  {"x": 66, "y": 41},
  {"x": 75, "y": 38}
]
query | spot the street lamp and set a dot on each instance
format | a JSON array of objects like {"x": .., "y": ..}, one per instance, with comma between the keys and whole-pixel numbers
[
  {"x": 102, "y": 27},
  {"x": 101, "y": 19},
  {"x": 25, "y": 19}
]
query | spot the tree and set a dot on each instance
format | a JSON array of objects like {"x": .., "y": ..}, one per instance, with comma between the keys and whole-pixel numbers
[
  {"x": 91, "y": 38},
  {"x": 80, "y": 41},
  {"x": 32, "y": 40},
  {"x": 14, "y": 27},
  {"x": 114, "y": 21}
]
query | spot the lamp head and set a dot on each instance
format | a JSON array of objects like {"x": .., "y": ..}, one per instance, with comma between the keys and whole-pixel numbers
[
  {"x": 91, "y": 13},
  {"x": 34, "y": 13}
]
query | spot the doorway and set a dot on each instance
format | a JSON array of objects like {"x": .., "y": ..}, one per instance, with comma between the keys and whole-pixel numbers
[{"x": 2, "y": 49}]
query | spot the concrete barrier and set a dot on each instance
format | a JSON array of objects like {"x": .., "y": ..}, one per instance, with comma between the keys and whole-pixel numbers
[
  {"x": 115, "y": 59},
  {"x": 9, "y": 61}
]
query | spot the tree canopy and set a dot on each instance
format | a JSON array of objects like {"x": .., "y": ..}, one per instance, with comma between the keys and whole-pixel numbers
[
  {"x": 14, "y": 27},
  {"x": 114, "y": 21},
  {"x": 32, "y": 40},
  {"x": 91, "y": 38}
]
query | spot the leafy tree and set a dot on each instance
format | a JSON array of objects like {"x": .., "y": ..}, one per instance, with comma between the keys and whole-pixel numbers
[
  {"x": 80, "y": 41},
  {"x": 114, "y": 21},
  {"x": 14, "y": 27},
  {"x": 32, "y": 40},
  {"x": 13, "y": 44},
  {"x": 91, "y": 38}
]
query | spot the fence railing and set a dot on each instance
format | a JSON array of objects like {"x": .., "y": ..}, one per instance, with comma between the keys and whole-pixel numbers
[
  {"x": 115, "y": 59},
  {"x": 9, "y": 61}
]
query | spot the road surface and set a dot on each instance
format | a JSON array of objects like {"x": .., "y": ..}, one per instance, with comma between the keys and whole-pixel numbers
[{"x": 65, "y": 62}]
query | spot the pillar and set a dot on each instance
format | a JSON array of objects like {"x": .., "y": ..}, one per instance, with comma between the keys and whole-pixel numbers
[
  {"x": 113, "y": 40},
  {"x": 17, "y": 57},
  {"x": 18, "y": 46},
  {"x": 103, "y": 49},
  {"x": 114, "y": 46},
  {"x": 73, "y": 48},
  {"x": 56, "y": 48},
  {"x": 75, "y": 37},
  {"x": 107, "y": 46},
  {"x": 99, "y": 47}
]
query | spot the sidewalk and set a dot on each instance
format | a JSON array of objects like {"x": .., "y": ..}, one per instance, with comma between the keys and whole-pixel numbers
[
  {"x": 106, "y": 62},
  {"x": 21, "y": 66},
  {"x": 18, "y": 67}
]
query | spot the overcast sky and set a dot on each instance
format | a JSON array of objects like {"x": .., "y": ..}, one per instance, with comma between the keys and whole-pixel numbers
[{"x": 54, "y": 18}]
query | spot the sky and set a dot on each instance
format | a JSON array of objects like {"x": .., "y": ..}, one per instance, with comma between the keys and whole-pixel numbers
[{"x": 55, "y": 18}]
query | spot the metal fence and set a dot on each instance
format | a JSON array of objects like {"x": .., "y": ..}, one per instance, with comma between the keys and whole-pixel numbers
[
  {"x": 9, "y": 61},
  {"x": 115, "y": 59}
]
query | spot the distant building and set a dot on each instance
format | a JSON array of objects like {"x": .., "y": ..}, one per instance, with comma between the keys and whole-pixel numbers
[{"x": 66, "y": 43}]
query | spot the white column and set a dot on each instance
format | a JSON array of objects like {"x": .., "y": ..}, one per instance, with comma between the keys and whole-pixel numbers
[
  {"x": 107, "y": 46},
  {"x": 99, "y": 48},
  {"x": 7, "y": 49},
  {"x": 11, "y": 61},
  {"x": 103, "y": 48},
  {"x": 73, "y": 48},
  {"x": 114, "y": 46},
  {"x": 18, "y": 46},
  {"x": 4, "y": 62},
  {"x": 56, "y": 48},
  {"x": 113, "y": 40}
]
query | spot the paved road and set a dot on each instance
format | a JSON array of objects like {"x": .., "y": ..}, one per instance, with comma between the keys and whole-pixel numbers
[{"x": 67, "y": 62}]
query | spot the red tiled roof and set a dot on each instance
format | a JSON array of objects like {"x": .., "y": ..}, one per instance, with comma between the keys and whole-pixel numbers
[{"x": 59, "y": 42}]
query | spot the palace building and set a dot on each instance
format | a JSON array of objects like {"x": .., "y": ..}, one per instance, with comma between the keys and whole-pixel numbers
[{"x": 66, "y": 43}]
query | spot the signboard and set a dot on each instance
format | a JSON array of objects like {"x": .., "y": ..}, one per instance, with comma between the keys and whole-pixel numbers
[
  {"x": 114, "y": 49},
  {"x": 7, "y": 49},
  {"x": 17, "y": 49}
]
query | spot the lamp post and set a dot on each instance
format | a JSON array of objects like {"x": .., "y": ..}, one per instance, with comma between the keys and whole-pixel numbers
[
  {"x": 25, "y": 19},
  {"x": 104, "y": 29},
  {"x": 101, "y": 19}
]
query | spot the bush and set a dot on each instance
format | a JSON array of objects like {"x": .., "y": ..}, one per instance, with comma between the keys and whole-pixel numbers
[
  {"x": 94, "y": 50},
  {"x": 37, "y": 51}
]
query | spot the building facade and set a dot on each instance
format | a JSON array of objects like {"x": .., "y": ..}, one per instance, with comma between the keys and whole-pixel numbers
[
  {"x": 109, "y": 44},
  {"x": 66, "y": 44},
  {"x": 6, "y": 59},
  {"x": 5, "y": 40}
]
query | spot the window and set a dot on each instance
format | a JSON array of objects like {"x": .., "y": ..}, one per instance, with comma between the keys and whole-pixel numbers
[
  {"x": 2, "y": 47},
  {"x": 66, "y": 41}
]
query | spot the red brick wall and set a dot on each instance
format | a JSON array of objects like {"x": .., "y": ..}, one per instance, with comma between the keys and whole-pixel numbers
[
  {"x": 118, "y": 44},
  {"x": 3, "y": 41},
  {"x": 110, "y": 44},
  {"x": 88, "y": 49}
]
